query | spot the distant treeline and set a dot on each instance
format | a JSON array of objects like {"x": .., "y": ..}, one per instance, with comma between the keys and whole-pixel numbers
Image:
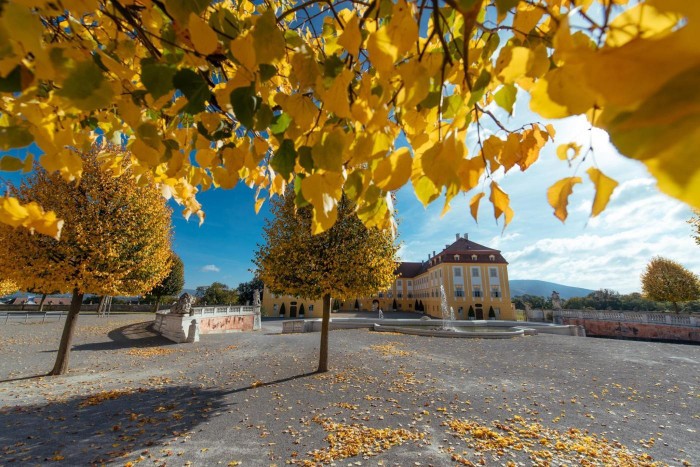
[{"x": 604, "y": 299}]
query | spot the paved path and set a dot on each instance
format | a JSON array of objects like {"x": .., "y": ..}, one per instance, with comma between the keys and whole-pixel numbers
[{"x": 252, "y": 398}]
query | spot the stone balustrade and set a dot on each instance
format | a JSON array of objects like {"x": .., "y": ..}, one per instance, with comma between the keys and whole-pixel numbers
[
  {"x": 665, "y": 326},
  {"x": 206, "y": 320}
]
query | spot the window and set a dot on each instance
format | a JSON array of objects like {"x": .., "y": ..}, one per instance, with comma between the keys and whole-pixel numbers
[
  {"x": 456, "y": 257},
  {"x": 410, "y": 295},
  {"x": 381, "y": 294},
  {"x": 410, "y": 283},
  {"x": 390, "y": 294},
  {"x": 476, "y": 293},
  {"x": 459, "y": 291},
  {"x": 495, "y": 291},
  {"x": 492, "y": 257},
  {"x": 399, "y": 283},
  {"x": 399, "y": 294},
  {"x": 473, "y": 257},
  {"x": 311, "y": 308},
  {"x": 458, "y": 272},
  {"x": 493, "y": 272},
  {"x": 475, "y": 272}
]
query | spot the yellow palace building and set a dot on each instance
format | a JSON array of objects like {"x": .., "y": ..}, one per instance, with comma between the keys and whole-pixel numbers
[{"x": 474, "y": 278}]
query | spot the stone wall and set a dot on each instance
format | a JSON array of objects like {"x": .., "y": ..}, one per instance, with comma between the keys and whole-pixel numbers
[
  {"x": 206, "y": 320},
  {"x": 660, "y": 326}
]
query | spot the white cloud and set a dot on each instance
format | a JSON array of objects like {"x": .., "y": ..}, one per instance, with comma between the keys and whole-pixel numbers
[{"x": 210, "y": 268}]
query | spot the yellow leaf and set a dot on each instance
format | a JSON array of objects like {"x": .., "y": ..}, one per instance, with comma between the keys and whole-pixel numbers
[
  {"x": 323, "y": 190},
  {"x": 301, "y": 108},
  {"x": 501, "y": 204},
  {"x": 203, "y": 37},
  {"x": 244, "y": 52},
  {"x": 664, "y": 133},
  {"x": 66, "y": 162},
  {"x": 268, "y": 40},
  {"x": 382, "y": 51},
  {"x": 513, "y": 63},
  {"x": 393, "y": 171},
  {"x": 30, "y": 216},
  {"x": 204, "y": 157},
  {"x": 351, "y": 38},
  {"x": 558, "y": 196},
  {"x": 604, "y": 187},
  {"x": 563, "y": 151},
  {"x": 640, "y": 21},
  {"x": 561, "y": 92},
  {"x": 526, "y": 18},
  {"x": 330, "y": 152},
  {"x": 474, "y": 205},
  {"x": 336, "y": 98}
]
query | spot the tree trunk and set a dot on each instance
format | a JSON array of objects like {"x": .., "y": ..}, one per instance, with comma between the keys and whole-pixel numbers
[
  {"x": 41, "y": 304},
  {"x": 63, "y": 355},
  {"x": 675, "y": 307},
  {"x": 156, "y": 304},
  {"x": 323, "y": 353}
]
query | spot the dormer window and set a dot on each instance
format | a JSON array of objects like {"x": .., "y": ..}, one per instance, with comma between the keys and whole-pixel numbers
[
  {"x": 473, "y": 257},
  {"x": 492, "y": 257},
  {"x": 456, "y": 257}
]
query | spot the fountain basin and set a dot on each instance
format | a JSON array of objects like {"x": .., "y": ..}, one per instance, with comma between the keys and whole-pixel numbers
[{"x": 460, "y": 329}]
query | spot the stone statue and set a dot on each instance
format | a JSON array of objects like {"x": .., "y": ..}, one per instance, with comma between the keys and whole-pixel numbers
[
  {"x": 256, "y": 297},
  {"x": 183, "y": 305},
  {"x": 556, "y": 301}
]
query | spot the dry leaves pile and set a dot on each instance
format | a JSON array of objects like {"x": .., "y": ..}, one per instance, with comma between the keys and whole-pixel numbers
[
  {"x": 544, "y": 446},
  {"x": 390, "y": 349},
  {"x": 149, "y": 352},
  {"x": 356, "y": 439},
  {"x": 102, "y": 396}
]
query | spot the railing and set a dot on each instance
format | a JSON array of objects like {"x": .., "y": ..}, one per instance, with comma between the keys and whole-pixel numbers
[
  {"x": 27, "y": 315},
  {"x": 634, "y": 317},
  {"x": 222, "y": 310}
]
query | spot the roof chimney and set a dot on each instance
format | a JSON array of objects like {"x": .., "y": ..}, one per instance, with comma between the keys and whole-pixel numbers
[
  {"x": 447, "y": 246},
  {"x": 433, "y": 253},
  {"x": 466, "y": 236},
  {"x": 457, "y": 236}
]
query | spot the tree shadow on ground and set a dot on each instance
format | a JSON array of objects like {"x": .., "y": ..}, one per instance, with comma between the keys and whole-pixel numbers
[
  {"x": 131, "y": 335},
  {"x": 97, "y": 429}
]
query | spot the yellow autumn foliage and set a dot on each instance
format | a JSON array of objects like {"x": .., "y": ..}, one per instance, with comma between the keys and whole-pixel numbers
[
  {"x": 116, "y": 240},
  {"x": 363, "y": 99},
  {"x": 7, "y": 287}
]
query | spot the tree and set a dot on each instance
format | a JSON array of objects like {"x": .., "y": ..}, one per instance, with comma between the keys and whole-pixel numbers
[
  {"x": 667, "y": 280},
  {"x": 470, "y": 313},
  {"x": 302, "y": 311},
  {"x": 261, "y": 93},
  {"x": 246, "y": 290},
  {"x": 695, "y": 222},
  {"x": 394, "y": 305},
  {"x": 172, "y": 284},
  {"x": 217, "y": 294},
  {"x": 116, "y": 240},
  {"x": 492, "y": 313},
  {"x": 283, "y": 310},
  {"x": 348, "y": 260},
  {"x": 7, "y": 287}
]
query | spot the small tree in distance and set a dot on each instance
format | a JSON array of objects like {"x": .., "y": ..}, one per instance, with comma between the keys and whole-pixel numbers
[
  {"x": 115, "y": 240},
  {"x": 695, "y": 222},
  {"x": 348, "y": 260},
  {"x": 668, "y": 281},
  {"x": 173, "y": 282},
  {"x": 217, "y": 294},
  {"x": 246, "y": 290}
]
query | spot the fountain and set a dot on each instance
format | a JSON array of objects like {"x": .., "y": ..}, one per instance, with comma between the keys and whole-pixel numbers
[{"x": 448, "y": 313}]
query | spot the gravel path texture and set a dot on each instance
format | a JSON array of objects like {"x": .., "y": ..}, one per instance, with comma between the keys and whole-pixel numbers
[{"x": 132, "y": 397}]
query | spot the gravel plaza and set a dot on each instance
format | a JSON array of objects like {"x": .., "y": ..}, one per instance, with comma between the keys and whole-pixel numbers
[{"x": 252, "y": 398}]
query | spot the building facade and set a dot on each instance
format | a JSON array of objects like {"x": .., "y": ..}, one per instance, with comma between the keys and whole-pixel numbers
[{"x": 474, "y": 279}]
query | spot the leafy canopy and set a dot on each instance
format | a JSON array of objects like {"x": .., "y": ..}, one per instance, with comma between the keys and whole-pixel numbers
[
  {"x": 217, "y": 294},
  {"x": 173, "y": 283},
  {"x": 346, "y": 261},
  {"x": 116, "y": 240},
  {"x": 667, "y": 280},
  {"x": 356, "y": 97},
  {"x": 7, "y": 287}
]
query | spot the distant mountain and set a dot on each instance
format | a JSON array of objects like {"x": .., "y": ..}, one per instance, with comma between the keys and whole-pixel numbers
[{"x": 544, "y": 289}]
